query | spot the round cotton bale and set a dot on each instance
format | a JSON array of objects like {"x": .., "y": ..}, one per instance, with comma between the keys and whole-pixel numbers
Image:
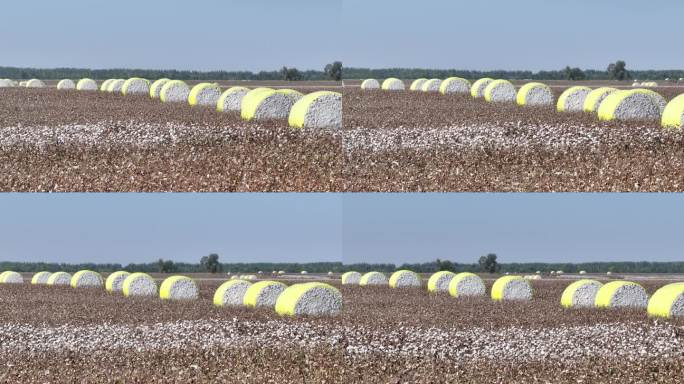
[
  {"x": 439, "y": 281},
  {"x": 231, "y": 293},
  {"x": 431, "y": 85},
  {"x": 322, "y": 109},
  {"x": 5, "y": 83},
  {"x": 572, "y": 99},
  {"x": 479, "y": 86},
  {"x": 500, "y": 91},
  {"x": 59, "y": 278},
  {"x": 263, "y": 294},
  {"x": 114, "y": 282},
  {"x": 330, "y": 273},
  {"x": 139, "y": 284},
  {"x": 303, "y": 273},
  {"x": 309, "y": 299},
  {"x": 23, "y": 83},
  {"x": 404, "y": 278},
  {"x": 11, "y": 277},
  {"x": 86, "y": 279},
  {"x": 266, "y": 104},
  {"x": 454, "y": 85},
  {"x": 204, "y": 94},
  {"x": 370, "y": 84},
  {"x": 231, "y": 99},
  {"x": 351, "y": 278},
  {"x": 621, "y": 294},
  {"x": 281, "y": 272},
  {"x": 373, "y": 278},
  {"x": 393, "y": 84},
  {"x": 596, "y": 97},
  {"x": 135, "y": 86},
  {"x": 35, "y": 83},
  {"x": 40, "y": 278},
  {"x": 673, "y": 114},
  {"x": 156, "y": 87},
  {"x": 105, "y": 85},
  {"x": 417, "y": 84},
  {"x": 86, "y": 85},
  {"x": 633, "y": 104},
  {"x": 291, "y": 93},
  {"x": 178, "y": 288},
  {"x": 511, "y": 288},
  {"x": 582, "y": 272},
  {"x": 115, "y": 85},
  {"x": 66, "y": 84},
  {"x": 174, "y": 91},
  {"x": 667, "y": 301},
  {"x": 534, "y": 94},
  {"x": 466, "y": 284},
  {"x": 581, "y": 293}
]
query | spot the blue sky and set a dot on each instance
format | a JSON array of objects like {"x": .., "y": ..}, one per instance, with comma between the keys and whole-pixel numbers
[
  {"x": 505, "y": 34},
  {"x": 171, "y": 34},
  {"x": 304, "y": 227}
]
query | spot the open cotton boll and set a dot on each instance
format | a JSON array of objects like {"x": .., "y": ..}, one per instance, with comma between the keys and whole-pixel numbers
[
  {"x": 621, "y": 294},
  {"x": 673, "y": 114},
  {"x": 370, "y": 84},
  {"x": 231, "y": 293},
  {"x": 174, "y": 91},
  {"x": 114, "y": 282},
  {"x": 393, "y": 84},
  {"x": 439, "y": 281},
  {"x": 263, "y": 294},
  {"x": 135, "y": 86},
  {"x": 431, "y": 85},
  {"x": 204, "y": 94},
  {"x": 86, "y": 278},
  {"x": 466, "y": 284},
  {"x": 178, "y": 288},
  {"x": 66, "y": 84},
  {"x": 86, "y": 85},
  {"x": 231, "y": 99},
  {"x": 11, "y": 277},
  {"x": 635, "y": 104},
  {"x": 454, "y": 85},
  {"x": 479, "y": 86},
  {"x": 499, "y": 91},
  {"x": 309, "y": 299},
  {"x": 667, "y": 301},
  {"x": 156, "y": 87},
  {"x": 417, "y": 84},
  {"x": 572, "y": 99},
  {"x": 351, "y": 278},
  {"x": 139, "y": 284},
  {"x": 373, "y": 278},
  {"x": 581, "y": 293},
  {"x": 40, "y": 278},
  {"x": 266, "y": 104},
  {"x": 59, "y": 278},
  {"x": 322, "y": 109},
  {"x": 511, "y": 288},
  {"x": 596, "y": 97},
  {"x": 404, "y": 278},
  {"x": 115, "y": 86},
  {"x": 35, "y": 83},
  {"x": 535, "y": 94}
]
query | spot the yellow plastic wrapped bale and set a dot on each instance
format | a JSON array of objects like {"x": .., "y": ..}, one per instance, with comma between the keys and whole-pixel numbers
[
  {"x": 174, "y": 91},
  {"x": 417, "y": 84},
  {"x": 155, "y": 88},
  {"x": 439, "y": 281},
  {"x": 632, "y": 104},
  {"x": 265, "y": 104},
  {"x": 500, "y": 91},
  {"x": 351, "y": 278},
  {"x": 263, "y": 294},
  {"x": 479, "y": 86},
  {"x": 204, "y": 94},
  {"x": 572, "y": 99},
  {"x": 231, "y": 99},
  {"x": 667, "y": 301},
  {"x": 466, "y": 284},
  {"x": 135, "y": 86},
  {"x": 404, "y": 278},
  {"x": 231, "y": 293},
  {"x": 86, "y": 85},
  {"x": 35, "y": 83},
  {"x": 621, "y": 294},
  {"x": 114, "y": 282},
  {"x": 86, "y": 279},
  {"x": 66, "y": 84},
  {"x": 534, "y": 94},
  {"x": 673, "y": 114},
  {"x": 322, "y": 109},
  {"x": 595, "y": 98},
  {"x": 11, "y": 277},
  {"x": 115, "y": 86},
  {"x": 511, "y": 288},
  {"x": 40, "y": 278},
  {"x": 59, "y": 278},
  {"x": 453, "y": 85},
  {"x": 370, "y": 84},
  {"x": 105, "y": 85},
  {"x": 309, "y": 299},
  {"x": 431, "y": 85},
  {"x": 373, "y": 278},
  {"x": 581, "y": 293},
  {"x": 393, "y": 84},
  {"x": 178, "y": 288},
  {"x": 139, "y": 284}
]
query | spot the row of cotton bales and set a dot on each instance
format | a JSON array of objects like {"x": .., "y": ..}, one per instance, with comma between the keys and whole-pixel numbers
[
  {"x": 667, "y": 301},
  {"x": 649, "y": 84}
]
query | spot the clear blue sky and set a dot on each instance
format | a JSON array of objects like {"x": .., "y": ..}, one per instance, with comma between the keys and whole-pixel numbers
[
  {"x": 305, "y": 227},
  {"x": 171, "y": 34},
  {"x": 506, "y": 34}
]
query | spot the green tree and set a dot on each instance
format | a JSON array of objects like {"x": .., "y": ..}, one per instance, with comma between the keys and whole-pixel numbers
[
  {"x": 489, "y": 264},
  {"x": 290, "y": 74},
  {"x": 445, "y": 265},
  {"x": 574, "y": 73},
  {"x": 211, "y": 263},
  {"x": 166, "y": 266},
  {"x": 334, "y": 70},
  {"x": 618, "y": 70}
]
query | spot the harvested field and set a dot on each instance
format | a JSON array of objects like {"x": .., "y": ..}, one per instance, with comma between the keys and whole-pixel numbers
[
  {"x": 474, "y": 339},
  {"x": 414, "y": 141}
]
